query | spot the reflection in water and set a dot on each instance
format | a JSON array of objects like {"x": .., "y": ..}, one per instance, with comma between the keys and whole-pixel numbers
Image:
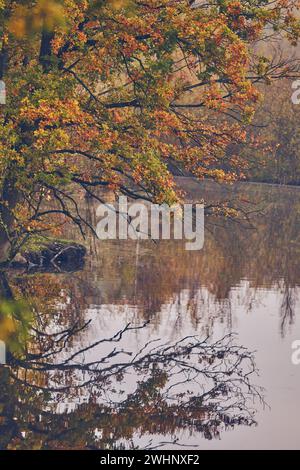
[
  {"x": 189, "y": 385},
  {"x": 106, "y": 365}
]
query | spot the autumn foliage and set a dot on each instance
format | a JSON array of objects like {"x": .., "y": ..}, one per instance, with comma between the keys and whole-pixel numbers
[{"x": 111, "y": 93}]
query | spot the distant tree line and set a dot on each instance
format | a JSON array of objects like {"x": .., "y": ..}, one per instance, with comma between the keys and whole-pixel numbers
[{"x": 273, "y": 150}]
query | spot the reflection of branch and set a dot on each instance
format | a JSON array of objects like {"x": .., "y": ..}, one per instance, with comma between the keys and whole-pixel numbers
[
  {"x": 287, "y": 309},
  {"x": 192, "y": 384},
  {"x": 220, "y": 362}
]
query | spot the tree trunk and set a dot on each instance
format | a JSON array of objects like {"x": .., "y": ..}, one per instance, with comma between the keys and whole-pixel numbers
[
  {"x": 5, "y": 290},
  {"x": 4, "y": 219},
  {"x": 9, "y": 199},
  {"x": 45, "y": 50}
]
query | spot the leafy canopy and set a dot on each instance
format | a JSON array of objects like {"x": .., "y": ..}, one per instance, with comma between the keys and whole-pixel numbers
[{"x": 115, "y": 93}]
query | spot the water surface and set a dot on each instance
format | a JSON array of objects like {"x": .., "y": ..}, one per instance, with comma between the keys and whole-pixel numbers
[{"x": 244, "y": 281}]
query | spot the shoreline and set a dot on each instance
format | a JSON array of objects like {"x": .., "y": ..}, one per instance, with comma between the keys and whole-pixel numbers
[{"x": 193, "y": 178}]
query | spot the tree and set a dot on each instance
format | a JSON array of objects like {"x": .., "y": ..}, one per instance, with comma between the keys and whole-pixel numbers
[
  {"x": 109, "y": 93},
  {"x": 277, "y": 158}
]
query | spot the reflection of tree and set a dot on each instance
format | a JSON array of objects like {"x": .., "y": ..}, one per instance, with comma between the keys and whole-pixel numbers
[
  {"x": 265, "y": 253},
  {"x": 59, "y": 392},
  {"x": 287, "y": 309},
  {"x": 193, "y": 385}
]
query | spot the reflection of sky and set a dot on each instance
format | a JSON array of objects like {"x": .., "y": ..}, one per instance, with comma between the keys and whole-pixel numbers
[
  {"x": 119, "y": 280},
  {"x": 254, "y": 314},
  {"x": 279, "y": 427}
]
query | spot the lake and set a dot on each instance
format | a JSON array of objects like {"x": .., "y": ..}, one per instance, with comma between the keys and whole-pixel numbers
[{"x": 204, "y": 337}]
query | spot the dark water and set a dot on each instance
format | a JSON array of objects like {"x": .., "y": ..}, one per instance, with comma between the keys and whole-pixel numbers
[{"x": 133, "y": 351}]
